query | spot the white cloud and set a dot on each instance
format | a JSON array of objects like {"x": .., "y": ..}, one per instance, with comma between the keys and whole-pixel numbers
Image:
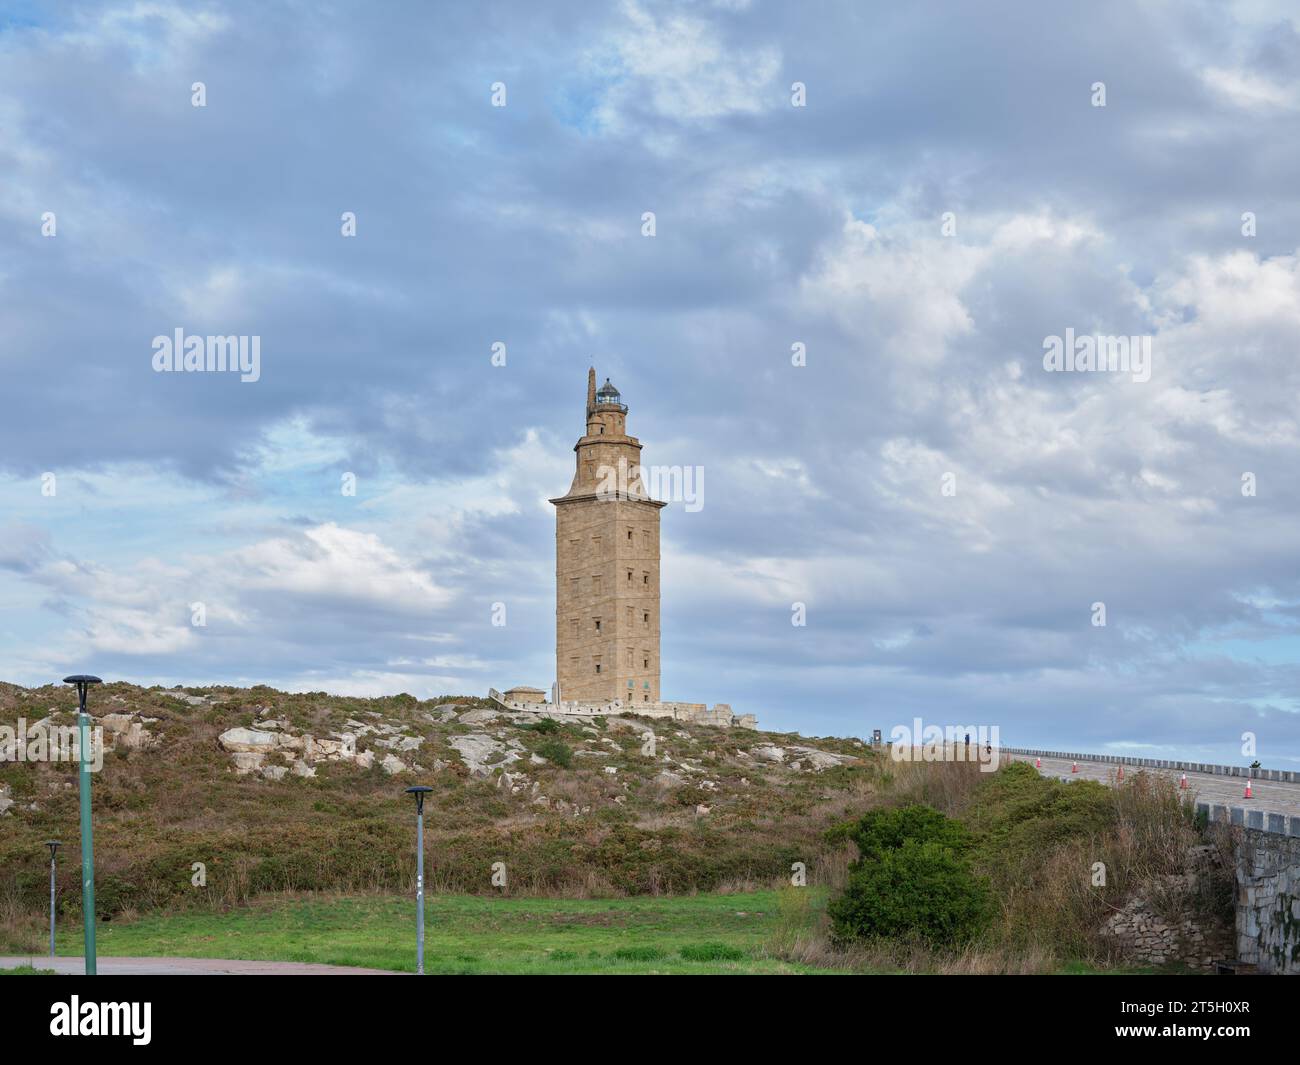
[
  {"x": 679, "y": 66},
  {"x": 335, "y": 563},
  {"x": 146, "y": 608},
  {"x": 1251, "y": 90},
  {"x": 906, "y": 288}
]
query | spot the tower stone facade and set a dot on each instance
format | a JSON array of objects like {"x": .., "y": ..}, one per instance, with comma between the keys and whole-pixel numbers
[{"x": 607, "y": 564}]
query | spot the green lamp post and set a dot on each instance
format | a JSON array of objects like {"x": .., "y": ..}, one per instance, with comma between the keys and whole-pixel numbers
[{"x": 83, "y": 683}]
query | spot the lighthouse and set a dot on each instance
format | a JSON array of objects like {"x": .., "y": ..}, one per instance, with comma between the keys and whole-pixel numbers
[{"x": 607, "y": 564}]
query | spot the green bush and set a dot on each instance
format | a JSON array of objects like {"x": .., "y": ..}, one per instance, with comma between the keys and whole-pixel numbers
[
  {"x": 1018, "y": 814},
  {"x": 639, "y": 954},
  {"x": 920, "y": 890},
  {"x": 546, "y": 726},
  {"x": 557, "y": 751},
  {"x": 912, "y": 879},
  {"x": 888, "y": 829},
  {"x": 711, "y": 952}
]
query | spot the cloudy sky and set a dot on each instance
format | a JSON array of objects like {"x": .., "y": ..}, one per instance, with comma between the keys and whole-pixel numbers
[{"x": 950, "y": 195}]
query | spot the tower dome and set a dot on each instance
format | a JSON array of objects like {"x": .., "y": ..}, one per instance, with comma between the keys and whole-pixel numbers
[{"x": 608, "y": 396}]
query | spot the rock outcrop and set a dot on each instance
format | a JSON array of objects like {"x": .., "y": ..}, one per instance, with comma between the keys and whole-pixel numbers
[
  {"x": 482, "y": 754},
  {"x": 250, "y": 749}
]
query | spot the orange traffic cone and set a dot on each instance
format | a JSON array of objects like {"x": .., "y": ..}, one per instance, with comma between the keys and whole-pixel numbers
[
  {"x": 1121, "y": 773},
  {"x": 1074, "y": 767},
  {"x": 1038, "y": 763},
  {"x": 1247, "y": 795},
  {"x": 1183, "y": 783}
]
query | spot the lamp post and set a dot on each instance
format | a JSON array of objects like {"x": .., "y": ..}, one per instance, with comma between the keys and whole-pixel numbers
[
  {"x": 83, "y": 683},
  {"x": 54, "y": 845},
  {"x": 419, "y": 791}
]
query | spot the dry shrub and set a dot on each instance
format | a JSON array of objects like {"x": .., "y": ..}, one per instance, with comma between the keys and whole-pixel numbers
[
  {"x": 945, "y": 785},
  {"x": 23, "y": 929},
  {"x": 803, "y": 937}
]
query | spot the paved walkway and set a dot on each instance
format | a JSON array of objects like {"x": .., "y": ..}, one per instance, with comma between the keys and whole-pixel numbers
[
  {"x": 1269, "y": 796},
  {"x": 188, "y": 967}
]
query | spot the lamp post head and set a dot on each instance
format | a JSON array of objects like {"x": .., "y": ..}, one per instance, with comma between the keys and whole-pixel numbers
[
  {"x": 419, "y": 791},
  {"x": 54, "y": 845},
  {"x": 83, "y": 681}
]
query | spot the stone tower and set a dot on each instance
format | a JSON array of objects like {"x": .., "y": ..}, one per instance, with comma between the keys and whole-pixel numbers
[{"x": 607, "y": 564}]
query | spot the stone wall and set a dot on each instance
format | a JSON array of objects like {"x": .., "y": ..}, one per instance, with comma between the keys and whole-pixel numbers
[
  {"x": 1152, "y": 932},
  {"x": 720, "y": 716},
  {"x": 1268, "y": 901},
  {"x": 1241, "y": 817}
]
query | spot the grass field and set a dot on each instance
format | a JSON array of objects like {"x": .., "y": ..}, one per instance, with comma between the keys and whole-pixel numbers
[{"x": 473, "y": 934}]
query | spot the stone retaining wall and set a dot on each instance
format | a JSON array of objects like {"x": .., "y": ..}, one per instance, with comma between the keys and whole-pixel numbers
[
  {"x": 1259, "y": 820},
  {"x": 697, "y": 713},
  {"x": 1268, "y": 901}
]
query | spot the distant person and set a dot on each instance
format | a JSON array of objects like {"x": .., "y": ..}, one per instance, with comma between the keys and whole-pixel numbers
[{"x": 968, "y": 746}]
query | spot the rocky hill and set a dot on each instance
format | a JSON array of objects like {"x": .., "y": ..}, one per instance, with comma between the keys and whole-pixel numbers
[{"x": 216, "y": 794}]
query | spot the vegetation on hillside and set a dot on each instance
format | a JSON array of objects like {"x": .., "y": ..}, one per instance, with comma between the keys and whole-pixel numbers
[
  {"x": 1057, "y": 859},
  {"x": 638, "y": 830},
  {"x": 927, "y": 866}
]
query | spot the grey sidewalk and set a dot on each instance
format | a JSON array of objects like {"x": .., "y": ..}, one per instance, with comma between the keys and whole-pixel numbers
[{"x": 188, "y": 967}]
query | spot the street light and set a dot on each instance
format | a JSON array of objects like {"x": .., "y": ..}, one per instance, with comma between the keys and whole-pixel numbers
[
  {"x": 419, "y": 791},
  {"x": 54, "y": 845},
  {"x": 83, "y": 682}
]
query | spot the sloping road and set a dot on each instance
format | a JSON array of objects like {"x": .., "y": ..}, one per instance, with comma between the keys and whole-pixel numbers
[{"x": 1270, "y": 796}]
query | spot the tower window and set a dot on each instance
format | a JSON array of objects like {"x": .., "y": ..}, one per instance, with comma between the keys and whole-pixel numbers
[
  {"x": 629, "y": 574},
  {"x": 645, "y": 698},
  {"x": 645, "y": 578},
  {"x": 645, "y": 620},
  {"x": 597, "y": 621},
  {"x": 646, "y": 663},
  {"x": 629, "y": 534}
]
